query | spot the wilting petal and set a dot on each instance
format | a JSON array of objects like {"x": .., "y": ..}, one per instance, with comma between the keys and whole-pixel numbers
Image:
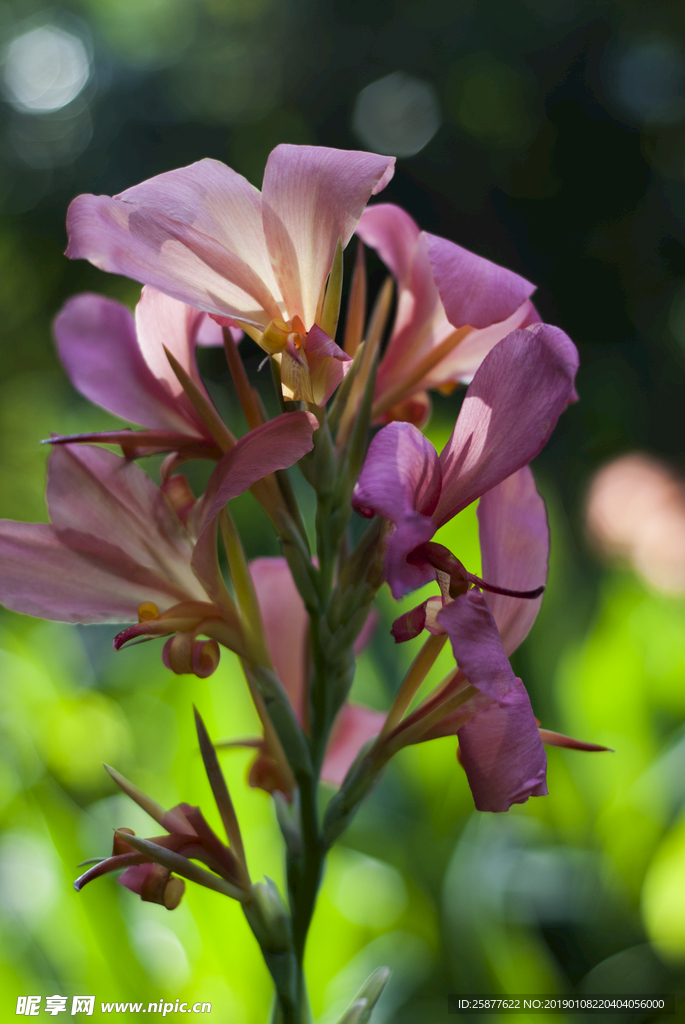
[
  {"x": 96, "y": 340},
  {"x": 502, "y": 753},
  {"x": 514, "y": 543},
  {"x": 311, "y": 197},
  {"x": 401, "y": 481},
  {"x": 473, "y": 290},
  {"x": 98, "y": 493},
  {"x": 72, "y": 577},
  {"x": 509, "y": 412},
  {"x": 354, "y": 726},
  {"x": 277, "y": 444},
  {"x": 193, "y": 233},
  {"x": 285, "y": 623}
]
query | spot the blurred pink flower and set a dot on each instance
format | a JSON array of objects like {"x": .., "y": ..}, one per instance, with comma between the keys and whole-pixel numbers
[
  {"x": 636, "y": 512},
  {"x": 484, "y": 303},
  {"x": 204, "y": 235},
  {"x": 119, "y": 363},
  {"x": 286, "y": 625},
  {"x": 510, "y": 409}
]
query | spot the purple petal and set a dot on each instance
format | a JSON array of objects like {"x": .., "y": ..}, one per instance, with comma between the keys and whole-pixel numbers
[
  {"x": 277, "y": 444},
  {"x": 509, "y": 412},
  {"x": 473, "y": 290},
  {"x": 327, "y": 363},
  {"x": 96, "y": 340},
  {"x": 311, "y": 197},
  {"x": 514, "y": 542},
  {"x": 476, "y": 644},
  {"x": 71, "y": 577},
  {"x": 401, "y": 481},
  {"x": 502, "y": 753}
]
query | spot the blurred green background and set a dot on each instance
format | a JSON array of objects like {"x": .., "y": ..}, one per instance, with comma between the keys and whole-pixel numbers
[{"x": 548, "y": 135}]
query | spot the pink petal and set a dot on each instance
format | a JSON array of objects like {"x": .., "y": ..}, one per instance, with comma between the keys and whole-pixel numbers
[
  {"x": 98, "y": 493},
  {"x": 354, "y": 726},
  {"x": 162, "y": 323},
  {"x": 461, "y": 364},
  {"x": 96, "y": 340},
  {"x": 401, "y": 481},
  {"x": 473, "y": 290},
  {"x": 557, "y": 739},
  {"x": 277, "y": 444},
  {"x": 311, "y": 197},
  {"x": 502, "y": 753},
  {"x": 70, "y": 577},
  {"x": 285, "y": 623},
  {"x": 393, "y": 234},
  {"x": 509, "y": 412},
  {"x": 514, "y": 542},
  {"x": 194, "y": 233}
]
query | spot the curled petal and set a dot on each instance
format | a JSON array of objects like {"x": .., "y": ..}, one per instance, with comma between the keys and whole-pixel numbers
[
  {"x": 185, "y": 655},
  {"x": 154, "y": 884},
  {"x": 508, "y": 415},
  {"x": 473, "y": 290},
  {"x": 502, "y": 753}
]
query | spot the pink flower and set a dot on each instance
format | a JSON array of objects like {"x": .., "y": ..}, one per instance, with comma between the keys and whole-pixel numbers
[
  {"x": 120, "y": 549},
  {"x": 119, "y": 363},
  {"x": 204, "y": 235},
  {"x": 500, "y": 744},
  {"x": 510, "y": 409},
  {"x": 429, "y": 347},
  {"x": 286, "y": 626}
]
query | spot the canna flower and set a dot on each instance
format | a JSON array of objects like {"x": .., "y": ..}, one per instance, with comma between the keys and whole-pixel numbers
[
  {"x": 205, "y": 236},
  {"x": 509, "y": 411},
  {"x": 482, "y": 702},
  {"x": 119, "y": 362},
  {"x": 453, "y": 307},
  {"x": 121, "y": 549},
  {"x": 286, "y": 627}
]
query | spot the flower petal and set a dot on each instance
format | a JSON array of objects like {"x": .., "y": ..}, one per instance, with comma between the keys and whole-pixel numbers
[
  {"x": 476, "y": 644},
  {"x": 277, "y": 444},
  {"x": 311, "y": 197},
  {"x": 514, "y": 542},
  {"x": 70, "y": 577},
  {"x": 509, "y": 412},
  {"x": 98, "y": 493},
  {"x": 401, "y": 481},
  {"x": 96, "y": 341},
  {"x": 327, "y": 363},
  {"x": 354, "y": 726},
  {"x": 393, "y": 234},
  {"x": 194, "y": 233},
  {"x": 473, "y": 290},
  {"x": 285, "y": 623},
  {"x": 502, "y": 753}
]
